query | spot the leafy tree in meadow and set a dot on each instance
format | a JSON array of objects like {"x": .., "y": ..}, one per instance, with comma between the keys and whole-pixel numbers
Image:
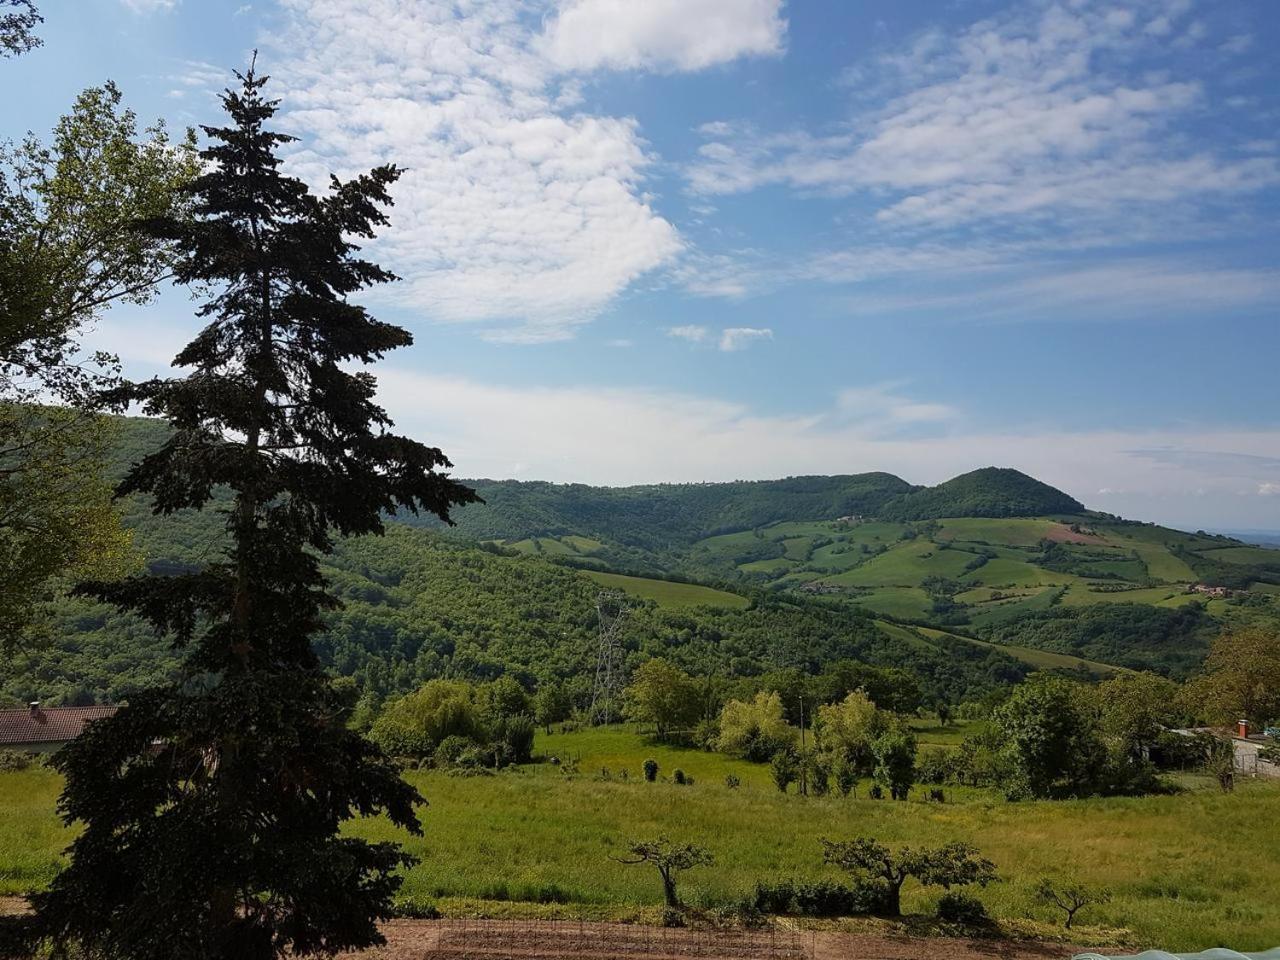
[
  {"x": 416, "y": 724},
  {"x": 1135, "y": 711},
  {"x": 70, "y": 247},
  {"x": 848, "y": 729},
  {"x": 1241, "y": 677},
  {"x": 1051, "y": 742},
  {"x": 670, "y": 858},
  {"x": 784, "y": 768},
  {"x": 895, "y": 761},
  {"x": 869, "y": 861},
  {"x": 1070, "y": 897},
  {"x": 664, "y": 695},
  {"x": 211, "y": 807},
  {"x": 551, "y": 704},
  {"x": 755, "y": 729}
]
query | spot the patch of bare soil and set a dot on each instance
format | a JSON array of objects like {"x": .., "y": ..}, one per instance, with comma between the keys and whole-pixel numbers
[
  {"x": 572, "y": 940},
  {"x": 1061, "y": 533}
]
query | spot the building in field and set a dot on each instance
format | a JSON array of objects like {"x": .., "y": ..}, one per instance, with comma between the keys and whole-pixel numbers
[
  {"x": 37, "y": 729},
  {"x": 1251, "y": 751}
]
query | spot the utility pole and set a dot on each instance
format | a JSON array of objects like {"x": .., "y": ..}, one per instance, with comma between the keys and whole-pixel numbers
[{"x": 804, "y": 754}]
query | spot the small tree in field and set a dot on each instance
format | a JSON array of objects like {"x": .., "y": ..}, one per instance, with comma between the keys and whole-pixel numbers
[
  {"x": 211, "y": 806},
  {"x": 670, "y": 858},
  {"x": 784, "y": 768},
  {"x": 951, "y": 865},
  {"x": 1069, "y": 897}
]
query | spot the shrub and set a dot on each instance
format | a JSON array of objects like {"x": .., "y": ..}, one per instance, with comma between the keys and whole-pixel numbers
[
  {"x": 846, "y": 777},
  {"x": 672, "y": 917},
  {"x": 936, "y": 795},
  {"x": 961, "y": 908},
  {"x": 450, "y": 749},
  {"x": 11, "y": 761},
  {"x": 783, "y": 769},
  {"x": 934, "y": 765},
  {"x": 821, "y": 899},
  {"x": 876, "y": 792},
  {"x": 651, "y": 770},
  {"x": 678, "y": 776},
  {"x": 731, "y": 781}
]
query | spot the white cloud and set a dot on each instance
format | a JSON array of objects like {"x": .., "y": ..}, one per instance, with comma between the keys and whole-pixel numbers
[
  {"x": 1015, "y": 118},
  {"x": 691, "y": 332},
  {"x": 512, "y": 212},
  {"x": 149, "y": 6},
  {"x": 1269, "y": 489},
  {"x": 661, "y": 34},
  {"x": 649, "y": 436},
  {"x": 739, "y": 338}
]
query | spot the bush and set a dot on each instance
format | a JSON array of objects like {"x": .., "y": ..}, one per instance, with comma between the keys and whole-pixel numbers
[
  {"x": 936, "y": 795},
  {"x": 876, "y": 792},
  {"x": 961, "y": 908},
  {"x": 731, "y": 781},
  {"x": 678, "y": 776},
  {"x": 824, "y": 898},
  {"x": 871, "y": 895},
  {"x": 672, "y": 917},
  {"x": 11, "y": 761},
  {"x": 450, "y": 749},
  {"x": 935, "y": 765},
  {"x": 651, "y": 770}
]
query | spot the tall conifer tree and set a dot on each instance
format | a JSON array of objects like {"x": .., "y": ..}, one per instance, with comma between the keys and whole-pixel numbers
[{"x": 211, "y": 807}]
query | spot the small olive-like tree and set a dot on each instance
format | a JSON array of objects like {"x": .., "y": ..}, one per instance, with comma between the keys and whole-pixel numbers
[
  {"x": 670, "y": 858},
  {"x": 1070, "y": 897},
  {"x": 869, "y": 861}
]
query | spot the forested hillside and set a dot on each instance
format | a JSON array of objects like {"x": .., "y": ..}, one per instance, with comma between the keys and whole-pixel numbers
[{"x": 810, "y": 559}]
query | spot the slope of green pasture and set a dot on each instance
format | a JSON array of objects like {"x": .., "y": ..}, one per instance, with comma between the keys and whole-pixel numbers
[
  {"x": 902, "y": 603},
  {"x": 667, "y": 593},
  {"x": 1010, "y": 532},
  {"x": 1080, "y": 595},
  {"x": 1187, "y": 871},
  {"x": 1258, "y": 556},
  {"x": 1164, "y": 565},
  {"x": 1002, "y": 610},
  {"x": 906, "y": 565}
]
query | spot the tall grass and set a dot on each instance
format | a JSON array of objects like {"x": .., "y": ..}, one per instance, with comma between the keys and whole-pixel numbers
[{"x": 1188, "y": 871}]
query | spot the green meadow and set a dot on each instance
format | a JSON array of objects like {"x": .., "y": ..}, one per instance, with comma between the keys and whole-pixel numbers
[
  {"x": 668, "y": 593},
  {"x": 1187, "y": 871}
]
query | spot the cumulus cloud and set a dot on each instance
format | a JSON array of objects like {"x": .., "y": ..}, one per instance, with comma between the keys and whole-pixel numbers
[
  {"x": 649, "y": 436},
  {"x": 1014, "y": 118},
  {"x": 514, "y": 212},
  {"x": 739, "y": 338},
  {"x": 662, "y": 35},
  {"x": 694, "y": 333}
]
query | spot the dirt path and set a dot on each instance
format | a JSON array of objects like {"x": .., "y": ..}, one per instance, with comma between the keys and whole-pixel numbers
[{"x": 569, "y": 940}]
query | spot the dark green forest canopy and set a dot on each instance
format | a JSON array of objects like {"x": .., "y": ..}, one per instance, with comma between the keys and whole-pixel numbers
[{"x": 989, "y": 492}]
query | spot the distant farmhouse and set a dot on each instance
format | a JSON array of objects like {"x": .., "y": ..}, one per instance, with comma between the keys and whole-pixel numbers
[
  {"x": 38, "y": 729},
  {"x": 1247, "y": 747}
]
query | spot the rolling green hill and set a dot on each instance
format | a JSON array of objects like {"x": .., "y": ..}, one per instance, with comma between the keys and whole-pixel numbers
[{"x": 734, "y": 578}]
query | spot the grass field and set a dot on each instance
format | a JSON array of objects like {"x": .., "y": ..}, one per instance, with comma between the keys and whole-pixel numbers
[
  {"x": 1188, "y": 871},
  {"x": 666, "y": 593}
]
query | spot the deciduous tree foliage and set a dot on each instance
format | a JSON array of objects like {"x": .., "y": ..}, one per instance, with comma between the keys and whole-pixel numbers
[
  {"x": 16, "y": 26},
  {"x": 1241, "y": 678},
  {"x": 211, "y": 806},
  {"x": 951, "y": 865},
  {"x": 69, "y": 248}
]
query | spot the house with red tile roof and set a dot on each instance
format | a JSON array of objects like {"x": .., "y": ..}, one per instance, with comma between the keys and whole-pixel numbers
[{"x": 37, "y": 729}]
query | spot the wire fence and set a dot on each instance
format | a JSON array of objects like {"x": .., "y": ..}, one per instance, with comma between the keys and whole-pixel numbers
[{"x": 585, "y": 940}]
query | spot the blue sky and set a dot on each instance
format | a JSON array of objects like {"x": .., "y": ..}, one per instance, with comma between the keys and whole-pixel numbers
[{"x": 708, "y": 239}]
